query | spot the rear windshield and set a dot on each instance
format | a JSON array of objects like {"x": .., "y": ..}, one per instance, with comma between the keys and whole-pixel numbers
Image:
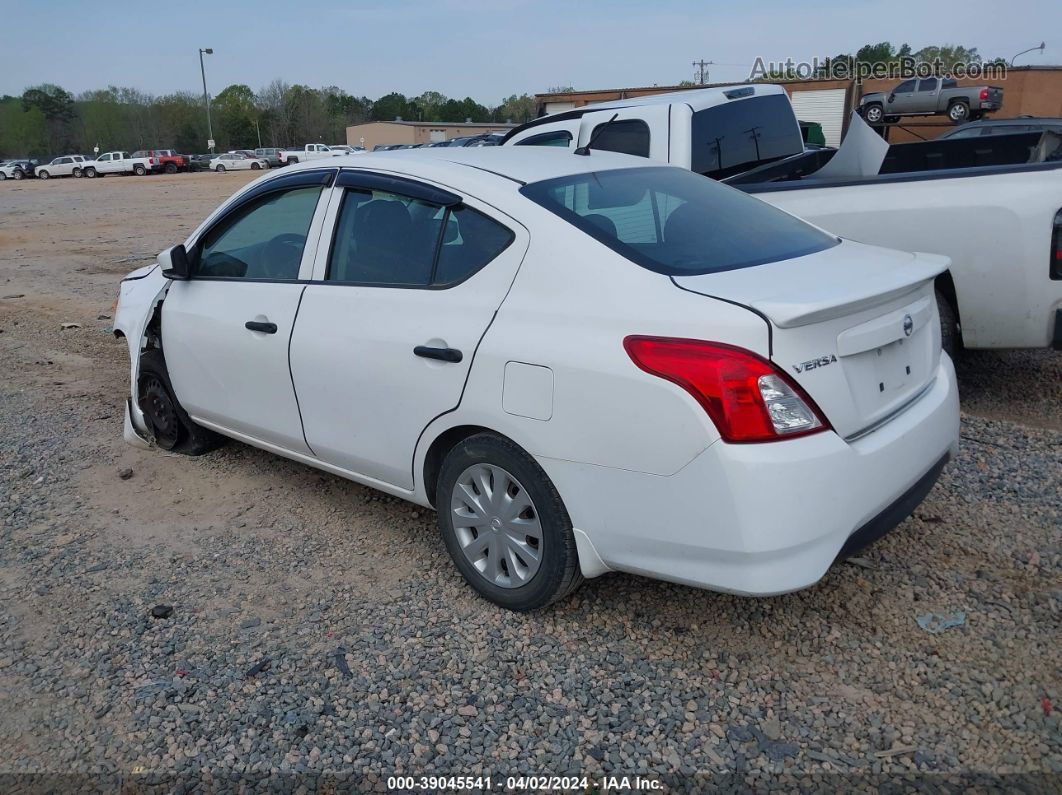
[
  {"x": 676, "y": 222},
  {"x": 743, "y": 133}
]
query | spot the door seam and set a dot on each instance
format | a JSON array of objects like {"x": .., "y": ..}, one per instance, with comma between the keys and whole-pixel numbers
[{"x": 291, "y": 374}]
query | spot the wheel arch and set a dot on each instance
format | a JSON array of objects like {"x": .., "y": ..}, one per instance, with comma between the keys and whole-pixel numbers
[
  {"x": 443, "y": 443},
  {"x": 946, "y": 284}
]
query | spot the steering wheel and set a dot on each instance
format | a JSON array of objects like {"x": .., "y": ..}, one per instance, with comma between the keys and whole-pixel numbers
[{"x": 282, "y": 255}]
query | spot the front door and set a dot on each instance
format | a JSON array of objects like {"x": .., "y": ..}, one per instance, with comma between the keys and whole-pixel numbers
[
  {"x": 407, "y": 287},
  {"x": 902, "y": 99},
  {"x": 226, "y": 330}
]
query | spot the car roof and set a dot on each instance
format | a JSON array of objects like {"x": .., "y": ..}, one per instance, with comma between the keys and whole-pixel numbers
[{"x": 521, "y": 164}]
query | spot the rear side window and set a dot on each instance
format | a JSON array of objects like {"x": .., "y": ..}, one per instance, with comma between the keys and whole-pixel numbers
[
  {"x": 556, "y": 138},
  {"x": 743, "y": 133},
  {"x": 629, "y": 137},
  {"x": 387, "y": 239},
  {"x": 673, "y": 221},
  {"x": 927, "y": 84}
]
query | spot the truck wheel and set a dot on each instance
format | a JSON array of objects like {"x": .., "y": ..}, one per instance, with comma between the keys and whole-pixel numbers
[
  {"x": 90, "y": 172},
  {"x": 292, "y": 160},
  {"x": 43, "y": 175},
  {"x": 170, "y": 168},
  {"x": 220, "y": 169},
  {"x": 959, "y": 112},
  {"x": 139, "y": 170},
  {"x": 873, "y": 114},
  {"x": 950, "y": 334},
  {"x": 169, "y": 423}
]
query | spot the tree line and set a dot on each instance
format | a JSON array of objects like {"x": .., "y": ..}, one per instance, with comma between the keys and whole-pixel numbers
[{"x": 46, "y": 120}]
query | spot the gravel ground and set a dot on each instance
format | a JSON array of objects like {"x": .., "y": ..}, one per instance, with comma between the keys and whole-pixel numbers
[{"x": 314, "y": 632}]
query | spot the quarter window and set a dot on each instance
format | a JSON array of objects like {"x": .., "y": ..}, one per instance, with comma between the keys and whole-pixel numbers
[
  {"x": 387, "y": 239},
  {"x": 264, "y": 239}
]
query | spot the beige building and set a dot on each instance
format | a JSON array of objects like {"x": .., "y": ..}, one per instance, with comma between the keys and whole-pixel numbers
[{"x": 380, "y": 133}]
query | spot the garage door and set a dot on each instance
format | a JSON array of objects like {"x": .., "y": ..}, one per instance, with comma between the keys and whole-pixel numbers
[
  {"x": 559, "y": 107},
  {"x": 825, "y": 106}
]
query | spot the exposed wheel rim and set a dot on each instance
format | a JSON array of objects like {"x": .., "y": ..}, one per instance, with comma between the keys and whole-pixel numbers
[
  {"x": 496, "y": 525},
  {"x": 874, "y": 114},
  {"x": 156, "y": 403},
  {"x": 957, "y": 112}
]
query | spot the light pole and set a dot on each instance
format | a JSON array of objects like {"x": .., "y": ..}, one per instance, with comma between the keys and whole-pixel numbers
[
  {"x": 1040, "y": 48},
  {"x": 206, "y": 97}
]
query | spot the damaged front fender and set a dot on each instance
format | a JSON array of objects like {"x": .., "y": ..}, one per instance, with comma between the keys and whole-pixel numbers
[{"x": 139, "y": 297}]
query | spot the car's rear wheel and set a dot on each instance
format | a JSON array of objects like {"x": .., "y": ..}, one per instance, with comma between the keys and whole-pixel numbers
[
  {"x": 43, "y": 175},
  {"x": 168, "y": 422},
  {"x": 220, "y": 169},
  {"x": 78, "y": 173},
  {"x": 171, "y": 168},
  {"x": 90, "y": 172},
  {"x": 504, "y": 524},
  {"x": 292, "y": 160},
  {"x": 139, "y": 170}
]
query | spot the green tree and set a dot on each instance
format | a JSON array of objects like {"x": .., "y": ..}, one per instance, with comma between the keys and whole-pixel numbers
[
  {"x": 391, "y": 106},
  {"x": 236, "y": 113},
  {"x": 518, "y": 109}
]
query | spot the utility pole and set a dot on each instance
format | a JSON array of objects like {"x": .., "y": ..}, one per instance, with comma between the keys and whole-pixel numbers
[
  {"x": 206, "y": 97},
  {"x": 702, "y": 70}
]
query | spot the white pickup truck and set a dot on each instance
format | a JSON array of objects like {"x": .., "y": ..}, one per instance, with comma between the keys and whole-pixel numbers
[
  {"x": 993, "y": 206},
  {"x": 119, "y": 163},
  {"x": 308, "y": 152}
]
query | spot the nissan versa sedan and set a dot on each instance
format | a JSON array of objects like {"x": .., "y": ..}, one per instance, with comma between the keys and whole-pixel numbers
[{"x": 582, "y": 363}]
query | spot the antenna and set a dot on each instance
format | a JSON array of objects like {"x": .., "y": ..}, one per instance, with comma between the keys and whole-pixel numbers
[{"x": 585, "y": 150}]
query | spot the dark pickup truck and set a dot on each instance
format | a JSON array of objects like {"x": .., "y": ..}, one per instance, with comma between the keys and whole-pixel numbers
[{"x": 931, "y": 96}]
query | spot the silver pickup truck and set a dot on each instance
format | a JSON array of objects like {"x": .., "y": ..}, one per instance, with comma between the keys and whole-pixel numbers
[{"x": 931, "y": 96}]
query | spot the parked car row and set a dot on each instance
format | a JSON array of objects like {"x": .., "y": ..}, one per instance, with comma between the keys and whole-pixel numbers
[{"x": 484, "y": 139}]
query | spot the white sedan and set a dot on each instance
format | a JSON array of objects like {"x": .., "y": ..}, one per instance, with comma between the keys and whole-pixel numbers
[
  {"x": 583, "y": 364},
  {"x": 237, "y": 161}
]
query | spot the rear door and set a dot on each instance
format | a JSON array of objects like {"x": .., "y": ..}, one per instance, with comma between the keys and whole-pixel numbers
[
  {"x": 226, "y": 330},
  {"x": 407, "y": 284}
]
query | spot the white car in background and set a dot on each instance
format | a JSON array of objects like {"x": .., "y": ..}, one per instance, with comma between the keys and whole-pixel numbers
[
  {"x": 237, "y": 161},
  {"x": 583, "y": 364},
  {"x": 13, "y": 169},
  {"x": 65, "y": 166},
  {"x": 119, "y": 163}
]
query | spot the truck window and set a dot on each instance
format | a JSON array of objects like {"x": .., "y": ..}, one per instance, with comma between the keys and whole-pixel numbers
[
  {"x": 906, "y": 87},
  {"x": 628, "y": 137},
  {"x": 743, "y": 133},
  {"x": 555, "y": 138},
  {"x": 927, "y": 84},
  {"x": 950, "y": 82},
  {"x": 672, "y": 221}
]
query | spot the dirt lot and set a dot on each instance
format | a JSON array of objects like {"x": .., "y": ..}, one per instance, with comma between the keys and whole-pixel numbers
[{"x": 318, "y": 628}]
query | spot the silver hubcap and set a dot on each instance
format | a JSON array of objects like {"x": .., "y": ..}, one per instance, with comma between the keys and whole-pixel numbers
[
  {"x": 496, "y": 525},
  {"x": 957, "y": 112}
]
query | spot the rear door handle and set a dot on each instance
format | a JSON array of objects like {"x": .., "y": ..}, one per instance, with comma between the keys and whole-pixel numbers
[
  {"x": 265, "y": 328},
  {"x": 442, "y": 354}
]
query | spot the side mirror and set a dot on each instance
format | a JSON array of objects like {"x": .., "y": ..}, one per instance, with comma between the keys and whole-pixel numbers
[{"x": 174, "y": 263}]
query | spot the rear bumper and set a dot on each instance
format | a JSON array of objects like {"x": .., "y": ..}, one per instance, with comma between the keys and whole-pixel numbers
[{"x": 764, "y": 519}]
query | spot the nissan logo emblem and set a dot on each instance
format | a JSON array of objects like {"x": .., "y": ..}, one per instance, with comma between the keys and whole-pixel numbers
[{"x": 908, "y": 325}]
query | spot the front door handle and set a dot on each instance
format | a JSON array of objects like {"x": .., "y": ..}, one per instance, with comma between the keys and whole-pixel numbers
[
  {"x": 265, "y": 328},
  {"x": 442, "y": 354}
]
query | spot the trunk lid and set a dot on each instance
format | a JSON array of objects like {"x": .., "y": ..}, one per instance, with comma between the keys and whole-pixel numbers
[{"x": 856, "y": 326}]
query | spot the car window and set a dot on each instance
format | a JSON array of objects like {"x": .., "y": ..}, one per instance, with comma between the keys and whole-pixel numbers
[
  {"x": 384, "y": 238},
  {"x": 470, "y": 241},
  {"x": 263, "y": 239},
  {"x": 674, "y": 221},
  {"x": 629, "y": 136},
  {"x": 555, "y": 138},
  {"x": 927, "y": 84},
  {"x": 966, "y": 132},
  {"x": 906, "y": 87}
]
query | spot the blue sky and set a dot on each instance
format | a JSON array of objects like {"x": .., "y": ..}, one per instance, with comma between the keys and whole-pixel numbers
[{"x": 485, "y": 49}]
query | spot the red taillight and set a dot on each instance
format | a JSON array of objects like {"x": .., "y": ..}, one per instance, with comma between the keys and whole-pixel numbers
[
  {"x": 730, "y": 384},
  {"x": 1056, "y": 248},
  {"x": 984, "y": 93}
]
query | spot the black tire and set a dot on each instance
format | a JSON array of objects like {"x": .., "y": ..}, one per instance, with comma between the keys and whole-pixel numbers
[
  {"x": 90, "y": 173},
  {"x": 3, "y": 176},
  {"x": 170, "y": 168},
  {"x": 292, "y": 160},
  {"x": 255, "y": 167},
  {"x": 220, "y": 169},
  {"x": 950, "y": 333},
  {"x": 139, "y": 170},
  {"x": 959, "y": 112},
  {"x": 558, "y": 573},
  {"x": 19, "y": 174},
  {"x": 873, "y": 113},
  {"x": 43, "y": 175},
  {"x": 78, "y": 173},
  {"x": 170, "y": 424}
]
